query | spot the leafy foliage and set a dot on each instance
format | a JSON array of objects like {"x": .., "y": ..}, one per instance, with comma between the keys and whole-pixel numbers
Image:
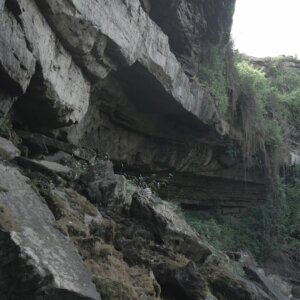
[
  {"x": 266, "y": 108},
  {"x": 267, "y": 119},
  {"x": 276, "y": 96},
  {"x": 273, "y": 225},
  {"x": 213, "y": 72}
]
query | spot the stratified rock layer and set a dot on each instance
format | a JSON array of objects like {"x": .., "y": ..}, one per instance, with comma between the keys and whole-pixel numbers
[
  {"x": 142, "y": 109},
  {"x": 123, "y": 33}
]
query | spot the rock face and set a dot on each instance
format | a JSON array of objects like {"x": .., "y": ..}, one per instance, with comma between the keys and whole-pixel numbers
[
  {"x": 199, "y": 23},
  {"x": 168, "y": 227},
  {"x": 17, "y": 61},
  {"x": 98, "y": 91},
  {"x": 50, "y": 264},
  {"x": 58, "y": 92},
  {"x": 8, "y": 151},
  {"x": 122, "y": 33},
  {"x": 121, "y": 73}
]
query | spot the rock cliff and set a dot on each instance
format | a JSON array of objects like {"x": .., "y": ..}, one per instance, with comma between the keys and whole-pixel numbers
[
  {"x": 94, "y": 93},
  {"x": 117, "y": 73}
]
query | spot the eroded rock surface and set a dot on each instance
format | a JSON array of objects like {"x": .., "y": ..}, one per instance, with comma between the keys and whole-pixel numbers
[
  {"x": 119, "y": 69},
  {"x": 168, "y": 227},
  {"x": 43, "y": 260},
  {"x": 31, "y": 53},
  {"x": 199, "y": 23},
  {"x": 124, "y": 33},
  {"x": 8, "y": 150},
  {"x": 16, "y": 60}
]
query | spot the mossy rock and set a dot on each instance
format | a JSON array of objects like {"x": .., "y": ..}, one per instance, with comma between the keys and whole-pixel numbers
[
  {"x": 114, "y": 290},
  {"x": 68, "y": 202}
]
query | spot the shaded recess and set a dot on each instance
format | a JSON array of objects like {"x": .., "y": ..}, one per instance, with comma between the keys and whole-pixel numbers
[
  {"x": 206, "y": 192},
  {"x": 39, "y": 108},
  {"x": 149, "y": 96},
  {"x": 135, "y": 120}
]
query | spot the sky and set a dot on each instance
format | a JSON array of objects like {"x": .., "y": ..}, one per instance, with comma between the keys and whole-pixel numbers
[{"x": 267, "y": 27}]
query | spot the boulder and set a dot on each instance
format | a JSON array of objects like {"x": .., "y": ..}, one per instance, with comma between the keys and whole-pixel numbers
[
  {"x": 99, "y": 182},
  {"x": 73, "y": 212},
  {"x": 183, "y": 282},
  {"x": 36, "y": 259},
  {"x": 267, "y": 285},
  {"x": 53, "y": 166},
  {"x": 54, "y": 171},
  {"x": 41, "y": 144},
  {"x": 8, "y": 150},
  {"x": 228, "y": 286},
  {"x": 169, "y": 227}
]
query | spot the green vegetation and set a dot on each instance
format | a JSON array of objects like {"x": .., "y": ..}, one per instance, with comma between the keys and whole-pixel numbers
[
  {"x": 262, "y": 114},
  {"x": 271, "y": 226},
  {"x": 213, "y": 72},
  {"x": 275, "y": 95},
  {"x": 287, "y": 82},
  {"x": 265, "y": 107}
]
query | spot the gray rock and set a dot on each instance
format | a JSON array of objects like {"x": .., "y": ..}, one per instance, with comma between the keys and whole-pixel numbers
[
  {"x": 267, "y": 285},
  {"x": 224, "y": 285},
  {"x": 54, "y": 171},
  {"x": 42, "y": 260},
  {"x": 58, "y": 93},
  {"x": 192, "y": 25},
  {"x": 8, "y": 150},
  {"x": 2, "y": 2},
  {"x": 17, "y": 62},
  {"x": 169, "y": 227},
  {"x": 133, "y": 39},
  {"x": 296, "y": 292},
  {"x": 146, "y": 4},
  {"x": 106, "y": 188},
  {"x": 43, "y": 144},
  {"x": 100, "y": 183},
  {"x": 53, "y": 166},
  {"x": 187, "y": 280}
]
